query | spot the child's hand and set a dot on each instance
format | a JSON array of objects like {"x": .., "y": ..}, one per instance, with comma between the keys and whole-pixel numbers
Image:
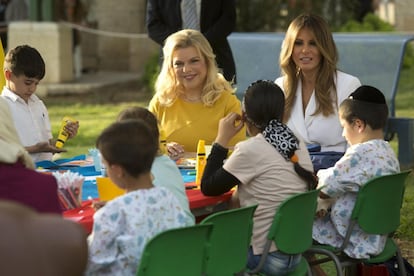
[
  {"x": 229, "y": 126},
  {"x": 98, "y": 204},
  {"x": 72, "y": 128},
  {"x": 44, "y": 147},
  {"x": 321, "y": 213}
]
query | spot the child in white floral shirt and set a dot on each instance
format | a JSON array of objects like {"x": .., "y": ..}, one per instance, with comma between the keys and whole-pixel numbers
[
  {"x": 125, "y": 224},
  {"x": 363, "y": 116}
]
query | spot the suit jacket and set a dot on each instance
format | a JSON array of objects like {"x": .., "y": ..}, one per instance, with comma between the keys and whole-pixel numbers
[{"x": 217, "y": 21}]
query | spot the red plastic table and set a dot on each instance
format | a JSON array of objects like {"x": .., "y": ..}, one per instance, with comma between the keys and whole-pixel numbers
[{"x": 200, "y": 206}]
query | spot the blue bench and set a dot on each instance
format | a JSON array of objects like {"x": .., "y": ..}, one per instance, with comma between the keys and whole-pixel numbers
[{"x": 375, "y": 58}]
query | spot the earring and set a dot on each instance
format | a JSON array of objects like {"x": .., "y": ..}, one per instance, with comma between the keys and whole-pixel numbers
[{"x": 297, "y": 71}]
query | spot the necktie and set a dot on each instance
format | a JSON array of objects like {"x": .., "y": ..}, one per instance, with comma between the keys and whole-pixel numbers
[{"x": 189, "y": 15}]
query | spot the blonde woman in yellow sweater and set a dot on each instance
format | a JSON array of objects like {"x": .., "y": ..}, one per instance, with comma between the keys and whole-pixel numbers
[{"x": 191, "y": 95}]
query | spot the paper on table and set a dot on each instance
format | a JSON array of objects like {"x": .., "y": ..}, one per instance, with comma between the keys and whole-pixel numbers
[{"x": 186, "y": 163}]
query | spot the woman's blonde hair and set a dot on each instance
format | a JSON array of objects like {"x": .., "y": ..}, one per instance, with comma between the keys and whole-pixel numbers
[
  {"x": 167, "y": 86},
  {"x": 325, "y": 88}
]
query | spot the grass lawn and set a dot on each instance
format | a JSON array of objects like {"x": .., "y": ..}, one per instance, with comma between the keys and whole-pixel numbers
[{"x": 95, "y": 117}]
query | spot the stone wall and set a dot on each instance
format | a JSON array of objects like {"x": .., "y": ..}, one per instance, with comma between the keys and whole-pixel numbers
[
  {"x": 404, "y": 15},
  {"x": 124, "y": 45},
  {"x": 54, "y": 43}
]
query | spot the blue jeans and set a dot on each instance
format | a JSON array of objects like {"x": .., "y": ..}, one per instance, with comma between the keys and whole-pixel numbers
[{"x": 276, "y": 263}]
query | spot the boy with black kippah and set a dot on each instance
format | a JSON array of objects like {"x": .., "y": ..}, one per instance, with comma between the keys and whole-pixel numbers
[{"x": 363, "y": 116}]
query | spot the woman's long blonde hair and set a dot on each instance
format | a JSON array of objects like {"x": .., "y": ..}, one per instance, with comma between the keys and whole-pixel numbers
[
  {"x": 167, "y": 86},
  {"x": 325, "y": 88}
]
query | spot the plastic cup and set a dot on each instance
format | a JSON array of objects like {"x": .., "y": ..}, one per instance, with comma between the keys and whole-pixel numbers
[{"x": 107, "y": 190}]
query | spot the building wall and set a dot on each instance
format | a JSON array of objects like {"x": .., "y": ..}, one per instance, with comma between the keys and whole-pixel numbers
[
  {"x": 117, "y": 39},
  {"x": 54, "y": 43},
  {"x": 125, "y": 45},
  {"x": 404, "y": 19}
]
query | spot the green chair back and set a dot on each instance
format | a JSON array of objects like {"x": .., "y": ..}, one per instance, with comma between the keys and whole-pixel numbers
[
  {"x": 377, "y": 208},
  {"x": 229, "y": 240},
  {"x": 181, "y": 251},
  {"x": 291, "y": 229},
  {"x": 376, "y": 211}
]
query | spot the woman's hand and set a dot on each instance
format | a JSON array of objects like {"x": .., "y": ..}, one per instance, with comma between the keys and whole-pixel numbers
[
  {"x": 175, "y": 150},
  {"x": 229, "y": 126}
]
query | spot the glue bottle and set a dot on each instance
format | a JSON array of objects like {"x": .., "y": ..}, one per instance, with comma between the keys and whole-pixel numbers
[
  {"x": 163, "y": 142},
  {"x": 63, "y": 135},
  {"x": 200, "y": 161}
]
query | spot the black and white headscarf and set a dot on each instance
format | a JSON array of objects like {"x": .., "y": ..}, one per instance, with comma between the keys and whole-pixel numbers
[{"x": 281, "y": 138}]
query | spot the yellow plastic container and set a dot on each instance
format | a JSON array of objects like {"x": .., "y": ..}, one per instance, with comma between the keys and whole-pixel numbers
[
  {"x": 163, "y": 142},
  {"x": 107, "y": 190},
  {"x": 200, "y": 161},
  {"x": 63, "y": 135}
]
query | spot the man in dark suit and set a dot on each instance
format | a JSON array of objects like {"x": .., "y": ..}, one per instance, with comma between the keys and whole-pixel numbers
[{"x": 217, "y": 19}]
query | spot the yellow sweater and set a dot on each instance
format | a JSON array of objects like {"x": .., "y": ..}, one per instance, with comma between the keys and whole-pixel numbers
[{"x": 186, "y": 123}]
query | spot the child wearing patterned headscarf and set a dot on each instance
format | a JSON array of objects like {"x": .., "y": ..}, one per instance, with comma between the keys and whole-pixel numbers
[
  {"x": 363, "y": 116},
  {"x": 270, "y": 166}
]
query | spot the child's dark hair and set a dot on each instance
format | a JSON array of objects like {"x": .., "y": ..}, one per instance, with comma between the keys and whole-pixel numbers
[
  {"x": 25, "y": 60},
  {"x": 367, "y": 104},
  {"x": 137, "y": 112},
  {"x": 263, "y": 104},
  {"x": 130, "y": 144}
]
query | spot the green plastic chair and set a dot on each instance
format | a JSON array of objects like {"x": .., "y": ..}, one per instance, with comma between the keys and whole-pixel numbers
[
  {"x": 181, "y": 251},
  {"x": 229, "y": 241},
  {"x": 291, "y": 229},
  {"x": 376, "y": 211}
]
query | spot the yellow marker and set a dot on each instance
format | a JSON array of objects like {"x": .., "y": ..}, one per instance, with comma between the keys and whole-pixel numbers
[
  {"x": 163, "y": 142},
  {"x": 63, "y": 135},
  {"x": 201, "y": 161}
]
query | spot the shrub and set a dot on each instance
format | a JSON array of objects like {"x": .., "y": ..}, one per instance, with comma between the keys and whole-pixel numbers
[{"x": 151, "y": 71}]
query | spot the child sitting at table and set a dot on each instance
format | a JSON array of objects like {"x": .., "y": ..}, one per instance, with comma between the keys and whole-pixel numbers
[
  {"x": 270, "y": 166},
  {"x": 164, "y": 170},
  {"x": 24, "y": 68},
  {"x": 125, "y": 224},
  {"x": 363, "y": 116}
]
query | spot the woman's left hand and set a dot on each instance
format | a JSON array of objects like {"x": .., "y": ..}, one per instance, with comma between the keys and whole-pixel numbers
[
  {"x": 175, "y": 150},
  {"x": 229, "y": 126}
]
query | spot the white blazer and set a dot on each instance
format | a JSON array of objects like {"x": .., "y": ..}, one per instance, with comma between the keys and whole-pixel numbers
[{"x": 318, "y": 129}]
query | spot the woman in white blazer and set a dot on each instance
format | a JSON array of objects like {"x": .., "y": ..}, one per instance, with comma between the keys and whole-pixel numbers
[{"x": 313, "y": 86}]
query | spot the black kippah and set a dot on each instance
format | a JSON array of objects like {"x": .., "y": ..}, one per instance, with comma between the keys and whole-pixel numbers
[{"x": 370, "y": 94}]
